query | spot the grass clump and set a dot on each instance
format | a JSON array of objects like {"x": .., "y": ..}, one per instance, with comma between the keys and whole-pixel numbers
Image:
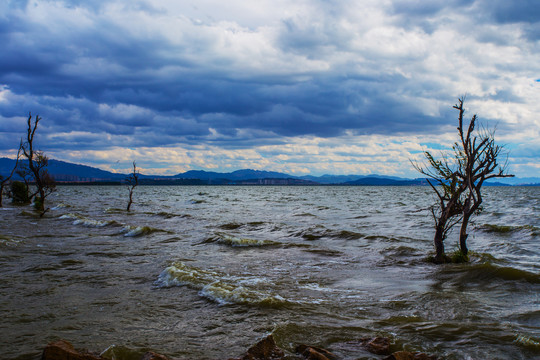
[{"x": 457, "y": 257}]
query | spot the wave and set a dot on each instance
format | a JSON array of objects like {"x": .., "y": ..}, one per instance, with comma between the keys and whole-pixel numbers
[
  {"x": 8, "y": 241},
  {"x": 506, "y": 229},
  {"x": 220, "y": 288},
  {"x": 315, "y": 234},
  {"x": 324, "y": 252},
  {"x": 168, "y": 215},
  {"x": 348, "y": 235},
  {"x": 7, "y": 208},
  {"x": 235, "y": 225},
  {"x": 60, "y": 206},
  {"x": 135, "y": 231},
  {"x": 310, "y": 236},
  {"x": 224, "y": 294},
  {"x": 197, "y": 201},
  {"x": 127, "y": 230},
  {"x": 29, "y": 214},
  {"x": 305, "y": 214},
  {"x": 527, "y": 341},
  {"x": 115, "y": 211},
  {"x": 488, "y": 272},
  {"x": 400, "y": 255},
  {"x": 230, "y": 226},
  {"x": 171, "y": 240},
  {"x": 82, "y": 220},
  {"x": 234, "y": 241}
]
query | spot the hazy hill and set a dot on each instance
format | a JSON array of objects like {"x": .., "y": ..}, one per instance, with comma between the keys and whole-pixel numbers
[
  {"x": 340, "y": 179},
  {"x": 64, "y": 170},
  {"x": 376, "y": 181},
  {"x": 245, "y": 174}
]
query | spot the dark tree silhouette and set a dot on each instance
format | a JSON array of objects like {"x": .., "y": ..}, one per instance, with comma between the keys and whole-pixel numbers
[
  {"x": 5, "y": 180},
  {"x": 457, "y": 179},
  {"x": 132, "y": 181},
  {"x": 37, "y": 166}
]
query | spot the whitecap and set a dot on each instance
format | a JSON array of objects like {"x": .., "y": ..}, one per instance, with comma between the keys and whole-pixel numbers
[
  {"x": 134, "y": 231},
  {"x": 242, "y": 242},
  {"x": 220, "y": 288},
  {"x": 60, "y": 206},
  {"x": 81, "y": 220}
]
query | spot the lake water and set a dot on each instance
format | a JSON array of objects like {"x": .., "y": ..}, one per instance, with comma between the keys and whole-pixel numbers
[{"x": 205, "y": 272}]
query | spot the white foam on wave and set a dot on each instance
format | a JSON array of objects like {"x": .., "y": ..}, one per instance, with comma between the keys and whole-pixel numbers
[
  {"x": 527, "y": 340},
  {"x": 81, "y": 220},
  {"x": 242, "y": 242},
  {"x": 225, "y": 293},
  {"x": 134, "y": 231},
  {"x": 60, "y": 206},
  {"x": 8, "y": 241},
  {"x": 221, "y": 288},
  {"x": 127, "y": 230},
  {"x": 316, "y": 287}
]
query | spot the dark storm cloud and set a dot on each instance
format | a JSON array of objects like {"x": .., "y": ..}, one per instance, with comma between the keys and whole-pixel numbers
[
  {"x": 421, "y": 13},
  {"x": 526, "y": 13},
  {"x": 423, "y": 9},
  {"x": 522, "y": 11},
  {"x": 513, "y": 11},
  {"x": 501, "y": 11},
  {"x": 68, "y": 76}
]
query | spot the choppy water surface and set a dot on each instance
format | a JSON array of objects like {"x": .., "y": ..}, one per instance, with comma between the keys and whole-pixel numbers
[{"x": 204, "y": 272}]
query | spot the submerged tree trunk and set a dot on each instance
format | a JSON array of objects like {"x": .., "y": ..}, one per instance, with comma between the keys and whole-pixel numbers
[
  {"x": 439, "y": 244},
  {"x": 37, "y": 164},
  {"x": 463, "y": 235},
  {"x": 39, "y": 203},
  {"x": 132, "y": 181},
  {"x": 130, "y": 199}
]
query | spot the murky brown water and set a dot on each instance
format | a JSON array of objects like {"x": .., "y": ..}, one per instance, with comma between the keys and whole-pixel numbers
[{"x": 204, "y": 272}]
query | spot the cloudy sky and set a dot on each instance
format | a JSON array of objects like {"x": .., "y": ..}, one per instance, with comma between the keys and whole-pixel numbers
[{"x": 303, "y": 87}]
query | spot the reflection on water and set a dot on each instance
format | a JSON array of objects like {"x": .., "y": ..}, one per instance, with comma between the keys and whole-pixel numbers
[{"x": 203, "y": 272}]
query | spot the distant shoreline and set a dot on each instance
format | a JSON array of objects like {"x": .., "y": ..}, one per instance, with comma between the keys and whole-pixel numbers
[
  {"x": 191, "y": 182},
  {"x": 75, "y": 174}
]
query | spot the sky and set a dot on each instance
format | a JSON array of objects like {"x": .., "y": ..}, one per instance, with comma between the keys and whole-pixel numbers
[{"x": 302, "y": 87}]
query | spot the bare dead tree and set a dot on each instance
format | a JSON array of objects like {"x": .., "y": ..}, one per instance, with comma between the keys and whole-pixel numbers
[
  {"x": 37, "y": 165},
  {"x": 478, "y": 162},
  {"x": 457, "y": 180},
  {"x": 132, "y": 181},
  {"x": 5, "y": 180}
]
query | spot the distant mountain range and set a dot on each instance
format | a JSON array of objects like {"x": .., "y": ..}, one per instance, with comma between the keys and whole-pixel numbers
[
  {"x": 73, "y": 173},
  {"x": 64, "y": 171}
]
